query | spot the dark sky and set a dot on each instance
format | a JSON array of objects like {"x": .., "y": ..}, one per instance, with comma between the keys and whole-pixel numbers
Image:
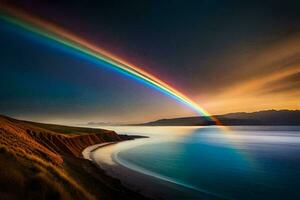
[{"x": 203, "y": 48}]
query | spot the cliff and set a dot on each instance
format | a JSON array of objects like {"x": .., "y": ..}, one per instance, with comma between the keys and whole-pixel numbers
[{"x": 43, "y": 161}]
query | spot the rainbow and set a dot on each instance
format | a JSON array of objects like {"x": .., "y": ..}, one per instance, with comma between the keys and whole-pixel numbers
[{"x": 67, "y": 39}]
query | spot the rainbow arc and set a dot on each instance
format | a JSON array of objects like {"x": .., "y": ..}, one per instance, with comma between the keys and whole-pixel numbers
[{"x": 63, "y": 37}]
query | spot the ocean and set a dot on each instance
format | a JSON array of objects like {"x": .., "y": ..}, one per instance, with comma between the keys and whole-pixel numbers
[{"x": 242, "y": 162}]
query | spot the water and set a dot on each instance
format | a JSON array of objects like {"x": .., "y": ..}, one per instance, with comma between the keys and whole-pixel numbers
[{"x": 247, "y": 162}]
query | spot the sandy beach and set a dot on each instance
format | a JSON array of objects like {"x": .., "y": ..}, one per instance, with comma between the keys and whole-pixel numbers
[
  {"x": 87, "y": 152},
  {"x": 139, "y": 180}
]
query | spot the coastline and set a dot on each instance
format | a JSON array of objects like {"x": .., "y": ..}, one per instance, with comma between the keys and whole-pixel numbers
[
  {"x": 86, "y": 153},
  {"x": 45, "y": 161},
  {"x": 148, "y": 184}
]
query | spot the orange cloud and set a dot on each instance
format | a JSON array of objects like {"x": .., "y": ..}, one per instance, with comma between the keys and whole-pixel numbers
[{"x": 270, "y": 80}]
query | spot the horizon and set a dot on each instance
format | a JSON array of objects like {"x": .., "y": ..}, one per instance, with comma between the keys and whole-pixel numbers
[
  {"x": 137, "y": 99},
  {"x": 48, "y": 83},
  {"x": 96, "y": 124}
]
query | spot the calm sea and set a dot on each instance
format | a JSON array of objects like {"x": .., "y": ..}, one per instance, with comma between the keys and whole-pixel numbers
[{"x": 246, "y": 162}]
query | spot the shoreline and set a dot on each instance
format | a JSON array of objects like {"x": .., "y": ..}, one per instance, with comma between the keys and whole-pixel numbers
[
  {"x": 45, "y": 161},
  {"x": 146, "y": 172},
  {"x": 86, "y": 153},
  {"x": 148, "y": 184}
]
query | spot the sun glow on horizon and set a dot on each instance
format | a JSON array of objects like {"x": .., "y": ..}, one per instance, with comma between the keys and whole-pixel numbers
[{"x": 62, "y": 37}]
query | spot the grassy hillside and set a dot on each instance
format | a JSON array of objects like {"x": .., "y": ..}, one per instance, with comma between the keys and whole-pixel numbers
[
  {"x": 42, "y": 161},
  {"x": 67, "y": 129}
]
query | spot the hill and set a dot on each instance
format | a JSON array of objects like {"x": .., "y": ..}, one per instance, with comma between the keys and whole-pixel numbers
[
  {"x": 268, "y": 117},
  {"x": 43, "y": 161}
]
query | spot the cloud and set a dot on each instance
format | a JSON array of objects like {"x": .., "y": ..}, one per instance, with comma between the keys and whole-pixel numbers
[{"x": 270, "y": 79}]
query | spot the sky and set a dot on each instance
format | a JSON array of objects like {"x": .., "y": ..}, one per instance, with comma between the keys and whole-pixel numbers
[{"x": 228, "y": 56}]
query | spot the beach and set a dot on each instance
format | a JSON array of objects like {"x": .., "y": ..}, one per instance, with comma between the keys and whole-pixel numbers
[{"x": 139, "y": 180}]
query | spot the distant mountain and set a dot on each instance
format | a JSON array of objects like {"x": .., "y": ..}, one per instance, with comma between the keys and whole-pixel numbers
[
  {"x": 99, "y": 124},
  {"x": 267, "y": 117},
  {"x": 95, "y": 124}
]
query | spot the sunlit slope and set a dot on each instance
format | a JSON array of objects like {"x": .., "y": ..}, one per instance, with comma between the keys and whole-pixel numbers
[
  {"x": 36, "y": 162},
  {"x": 42, "y": 139}
]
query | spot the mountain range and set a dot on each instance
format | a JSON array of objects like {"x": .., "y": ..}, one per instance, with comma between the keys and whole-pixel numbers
[{"x": 266, "y": 117}]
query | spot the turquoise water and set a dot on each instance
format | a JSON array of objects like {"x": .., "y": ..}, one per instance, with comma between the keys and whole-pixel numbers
[{"x": 241, "y": 163}]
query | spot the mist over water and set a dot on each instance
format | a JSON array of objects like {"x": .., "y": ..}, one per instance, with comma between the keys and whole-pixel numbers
[{"x": 250, "y": 162}]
